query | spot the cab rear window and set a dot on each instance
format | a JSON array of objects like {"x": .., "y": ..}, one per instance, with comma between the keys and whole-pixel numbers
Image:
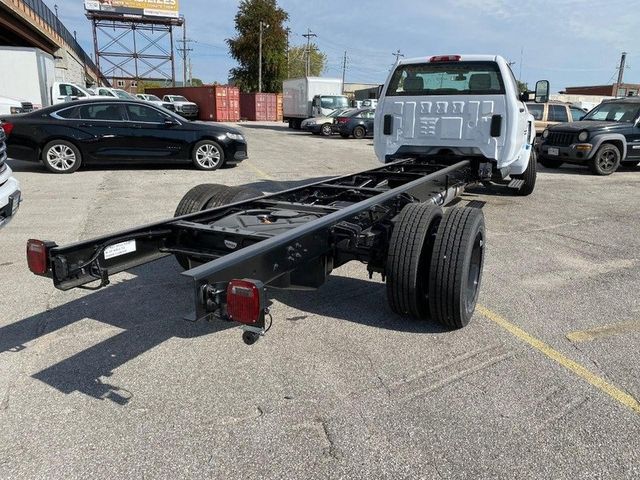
[{"x": 446, "y": 78}]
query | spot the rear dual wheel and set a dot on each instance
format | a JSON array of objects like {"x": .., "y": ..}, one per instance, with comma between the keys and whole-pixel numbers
[
  {"x": 435, "y": 262},
  {"x": 206, "y": 196}
]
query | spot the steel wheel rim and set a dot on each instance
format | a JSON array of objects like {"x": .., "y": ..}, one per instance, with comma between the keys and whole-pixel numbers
[
  {"x": 208, "y": 155},
  {"x": 359, "y": 132},
  {"x": 475, "y": 270},
  {"x": 61, "y": 157},
  {"x": 607, "y": 160}
]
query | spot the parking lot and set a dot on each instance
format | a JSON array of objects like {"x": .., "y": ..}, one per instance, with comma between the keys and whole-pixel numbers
[{"x": 113, "y": 383}]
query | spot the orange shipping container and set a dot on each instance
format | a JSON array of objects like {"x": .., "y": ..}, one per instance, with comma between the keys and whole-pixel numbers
[{"x": 279, "y": 114}]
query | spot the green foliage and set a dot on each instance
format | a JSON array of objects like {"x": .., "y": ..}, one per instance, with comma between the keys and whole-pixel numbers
[
  {"x": 298, "y": 61},
  {"x": 522, "y": 87},
  {"x": 244, "y": 46},
  {"x": 196, "y": 82}
]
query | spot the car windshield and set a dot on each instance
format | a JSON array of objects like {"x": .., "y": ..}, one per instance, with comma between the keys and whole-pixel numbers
[
  {"x": 333, "y": 102},
  {"x": 124, "y": 95},
  {"x": 178, "y": 98},
  {"x": 153, "y": 98},
  {"x": 446, "y": 78},
  {"x": 614, "y": 112}
]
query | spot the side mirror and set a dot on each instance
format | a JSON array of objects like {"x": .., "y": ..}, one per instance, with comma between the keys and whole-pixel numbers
[{"x": 542, "y": 91}]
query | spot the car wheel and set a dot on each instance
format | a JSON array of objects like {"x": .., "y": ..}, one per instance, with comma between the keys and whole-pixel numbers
[
  {"x": 326, "y": 130},
  {"x": 606, "y": 160},
  {"x": 208, "y": 155},
  {"x": 359, "y": 132},
  {"x": 551, "y": 163},
  {"x": 60, "y": 156}
]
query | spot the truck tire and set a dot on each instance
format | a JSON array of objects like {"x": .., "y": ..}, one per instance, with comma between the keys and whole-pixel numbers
[
  {"x": 206, "y": 196},
  {"x": 207, "y": 155},
  {"x": 409, "y": 258},
  {"x": 529, "y": 176},
  {"x": 606, "y": 160},
  {"x": 61, "y": 156},
  {"x": 456, "y": 266},
  {"x": 551, "y": 162}
]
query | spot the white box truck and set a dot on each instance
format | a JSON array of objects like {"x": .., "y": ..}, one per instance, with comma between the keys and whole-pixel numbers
[
  {"x": 31, "y": 77},
  {"x": 308, "y": 97}
]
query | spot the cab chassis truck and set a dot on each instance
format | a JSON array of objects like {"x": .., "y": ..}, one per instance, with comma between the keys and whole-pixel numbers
[
  {"x": 443, "y": 123},
  {"x": 236, "y": 243}
]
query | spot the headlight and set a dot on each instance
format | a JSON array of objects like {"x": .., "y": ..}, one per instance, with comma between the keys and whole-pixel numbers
[
  {"x": 313, "y": 122},
  {"x": 583, "y": 136},
  {"x": 235, "y": 136},
  {"x": 15, "y": 110},
  {"x": 545, "y": 134}
]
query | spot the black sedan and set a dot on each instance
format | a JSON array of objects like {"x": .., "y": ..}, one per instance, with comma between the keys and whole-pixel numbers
[
  {"x": 67, "y": 135},
  {"x": 358, "y": 123}
]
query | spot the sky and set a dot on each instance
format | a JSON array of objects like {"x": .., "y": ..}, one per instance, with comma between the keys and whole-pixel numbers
[{"x": 568, "y": 42}]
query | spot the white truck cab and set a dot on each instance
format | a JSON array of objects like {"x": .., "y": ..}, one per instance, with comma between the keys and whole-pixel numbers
[
  {"x": 62, "y": 92},
  {"x": 10, "y": 196},
  {"x": 458, "y": 106}
]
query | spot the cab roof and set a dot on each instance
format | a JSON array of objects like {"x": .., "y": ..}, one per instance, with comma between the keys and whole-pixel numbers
[{"x": 462, "y": 58}]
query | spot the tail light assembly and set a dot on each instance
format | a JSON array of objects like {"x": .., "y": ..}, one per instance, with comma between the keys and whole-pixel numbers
[
  {"x": 7, "y": 127},
  {"x": 246, "y": 304},
  {"x": 38, "y": 256},
  {"x": 445, "y": 58}
]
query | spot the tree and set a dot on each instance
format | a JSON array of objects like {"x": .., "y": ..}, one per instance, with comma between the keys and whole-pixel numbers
[
  {"x": 196, "y": 82},
  {"x": 522, "y": 86},
  {"x": 298, "y": 61},
  {"x": 244, "y": 46}
]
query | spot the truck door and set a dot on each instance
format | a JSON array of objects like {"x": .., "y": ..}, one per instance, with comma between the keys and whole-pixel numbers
[{"x": 66, "y": 92}]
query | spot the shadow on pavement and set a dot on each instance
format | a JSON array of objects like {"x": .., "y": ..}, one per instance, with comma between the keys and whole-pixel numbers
[
  {"x": 148, "y": 310},
  {"x": 355, "y": 300}
]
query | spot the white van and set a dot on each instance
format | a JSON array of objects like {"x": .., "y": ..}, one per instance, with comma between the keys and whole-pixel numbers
[
  {"x": 10, "y": 196},
  {"x": 452, "y": 106}
]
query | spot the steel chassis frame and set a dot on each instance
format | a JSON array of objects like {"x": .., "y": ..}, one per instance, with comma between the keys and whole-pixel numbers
[{"x": 358, "y": 227}]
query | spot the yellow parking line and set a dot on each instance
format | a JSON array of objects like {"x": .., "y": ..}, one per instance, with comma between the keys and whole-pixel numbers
[
  {"x": 588, "y": 376},
  {"x": 263, "y": 174},
  {"x": 604, "y": 331}
]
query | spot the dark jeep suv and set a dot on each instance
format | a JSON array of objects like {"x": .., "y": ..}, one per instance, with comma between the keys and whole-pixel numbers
[{"x": 606, "y": 137}]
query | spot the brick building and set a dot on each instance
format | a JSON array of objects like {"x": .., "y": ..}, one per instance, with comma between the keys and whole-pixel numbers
[{"x": 623, "y": 90}]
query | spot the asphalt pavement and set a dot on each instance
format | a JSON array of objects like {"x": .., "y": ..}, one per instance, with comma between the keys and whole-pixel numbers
[{"x": 544, "y": 382}]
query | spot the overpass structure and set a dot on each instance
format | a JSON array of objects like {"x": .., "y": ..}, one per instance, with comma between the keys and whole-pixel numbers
[{"x": 31, "y": 23}]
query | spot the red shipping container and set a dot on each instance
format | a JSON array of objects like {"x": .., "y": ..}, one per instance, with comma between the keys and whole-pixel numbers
[
  {"x": 215, "y": 102},
  {"x": 258, "y": 106}
]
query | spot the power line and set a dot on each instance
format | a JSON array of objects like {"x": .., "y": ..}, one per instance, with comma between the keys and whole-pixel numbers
[{"x": 185, "y": 51}]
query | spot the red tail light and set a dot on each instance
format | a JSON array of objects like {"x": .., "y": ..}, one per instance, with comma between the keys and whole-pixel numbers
[
  {"x": 245, "y": 301},
  {"x": 38, "y": 256},
  {"x": 445, "y": 58},
  {"x": 7, "y": 127},
  {"x": 342, "y": 120}
]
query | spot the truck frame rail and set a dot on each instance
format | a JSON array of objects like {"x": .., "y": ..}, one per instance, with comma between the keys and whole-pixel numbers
[{"x": 289, "y": 239}]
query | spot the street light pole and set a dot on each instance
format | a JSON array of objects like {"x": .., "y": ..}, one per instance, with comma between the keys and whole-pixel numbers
[{"x": 262, "y": 25}]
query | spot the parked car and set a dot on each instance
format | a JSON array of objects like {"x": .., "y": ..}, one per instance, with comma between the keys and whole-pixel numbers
[
  {"x": 357, "y": 123},
  {"x": 10, "y": 195},
  {"x": 182, "y": 106},
  {"x": 65, "y": 136},
  {"x": 155, "y": 100},
  {"x": 323, "y": 125},
  {"x": 552, "y": 113},
  {"x": 609, "y": 135}
]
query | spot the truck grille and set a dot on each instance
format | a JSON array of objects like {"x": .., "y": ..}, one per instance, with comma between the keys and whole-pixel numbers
[
  {"x": 189, "y": 108},
  {"x": 27, "y": 107},
  {"x": 561, "y": 139}
]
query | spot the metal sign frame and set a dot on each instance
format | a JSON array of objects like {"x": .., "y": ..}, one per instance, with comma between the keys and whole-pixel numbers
[{"x": 134, "y": 48}]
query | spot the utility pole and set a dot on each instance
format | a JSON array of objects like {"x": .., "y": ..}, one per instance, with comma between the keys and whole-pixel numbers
[
  {"x": 262, "y": 26},
  {"x": 623, "y": 59},
  {"x": 309, "y": 34},
  {"x": 185, "y": 52},
  {"x": 344, "y": 69},
  {"x": 397, "y": 55}
]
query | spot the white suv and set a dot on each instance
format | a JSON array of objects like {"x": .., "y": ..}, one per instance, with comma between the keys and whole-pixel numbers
[
  {"x": 10, "y": 196},
  {"x": 453, "y": 106}
]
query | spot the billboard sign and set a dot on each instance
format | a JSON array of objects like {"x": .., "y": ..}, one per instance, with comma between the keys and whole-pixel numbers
[{"x": 145, "y": 8}]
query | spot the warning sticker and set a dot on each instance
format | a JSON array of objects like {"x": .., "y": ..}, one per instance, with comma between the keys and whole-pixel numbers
[{"x": 119, "y": 249}]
